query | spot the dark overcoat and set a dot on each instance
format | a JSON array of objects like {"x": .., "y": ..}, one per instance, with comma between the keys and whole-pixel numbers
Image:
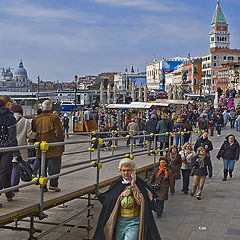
[
  {"x": 164, "y": 125},
  {"x": 109, "y": 199}
]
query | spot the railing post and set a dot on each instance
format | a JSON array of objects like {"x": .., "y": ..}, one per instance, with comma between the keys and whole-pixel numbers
[
  {"x": 98, "y": 170},
  {"x": 90, "y": 145},
  {"x": 131, "y": 144},
  {"x": 155, "y": 149},
  {"x": 43, "y": 174},
  {"x": 42, "y": 180}
]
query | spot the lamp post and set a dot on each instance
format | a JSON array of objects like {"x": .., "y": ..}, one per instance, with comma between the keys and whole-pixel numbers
[{"x": 75, "y": 86}]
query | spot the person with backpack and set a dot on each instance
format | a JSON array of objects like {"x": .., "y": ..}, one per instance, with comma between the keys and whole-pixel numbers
[{"x": 7, "y": 139}]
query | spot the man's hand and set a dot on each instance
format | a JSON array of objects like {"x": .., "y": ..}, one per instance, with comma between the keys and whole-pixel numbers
[
  {"x": 235, "y": 160},
  {"x": 206, "y": 146}
]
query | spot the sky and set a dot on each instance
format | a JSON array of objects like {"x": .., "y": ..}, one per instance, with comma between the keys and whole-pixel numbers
[{"x": 57, "y": 39}]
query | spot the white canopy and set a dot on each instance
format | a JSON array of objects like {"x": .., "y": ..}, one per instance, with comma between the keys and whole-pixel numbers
[{"x": 136, "y": 105}]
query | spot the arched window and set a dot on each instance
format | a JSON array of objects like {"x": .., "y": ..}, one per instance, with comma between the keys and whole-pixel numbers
[{"x": 195, "y": 69}]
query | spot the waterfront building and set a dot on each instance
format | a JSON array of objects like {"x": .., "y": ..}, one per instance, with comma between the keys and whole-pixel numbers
[
  {"x": 17, "y": 82},
  {"x": 220, "y": 52}
]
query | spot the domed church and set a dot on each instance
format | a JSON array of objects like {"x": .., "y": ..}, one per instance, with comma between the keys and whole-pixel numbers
[{"x": 17, "y": 82}]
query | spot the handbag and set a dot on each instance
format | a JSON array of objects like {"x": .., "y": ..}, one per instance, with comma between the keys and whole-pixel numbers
[
  {"x": 156, "y": 186},
  {"x": 25, "y": 170}
]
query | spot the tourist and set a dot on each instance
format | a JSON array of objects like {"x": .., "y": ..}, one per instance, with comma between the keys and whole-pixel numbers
[
  {"x": 201, "y": 167},
  {"x": 238, "y": 123},
  {"x": 142, "y": 127},
  {"x": 219, "y": 123},
  {"x": 164, "y": 125},
  {"x": 65, "y": 122},
  {"x": 7, "y": 139},
  {"x": 187, "y": 129},
  {"x": 151, "y": 126},
  {"x": 212, "y": 123},
  {"x": 232, "y": 117},
  {"x": 229, "y": 152},
  {"x": 49, "y": 128},
  {"x": 122, "y": 221},
  {"x": 203, "y": 123},
  {"x": 24, "y": 132},
  {"x": 204, "y": 142},
  {"x": 177, "y": 129},
  {"x": 133, "y": 127},
  {"x": 162, "y": 179},
  {"x": 174, "y": 162},
  {"x": 187, "y": 155},
  {"x": 225, "y": 115}
]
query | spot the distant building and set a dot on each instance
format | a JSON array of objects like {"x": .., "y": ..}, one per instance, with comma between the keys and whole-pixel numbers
[
  {"x": 192, "y": 75},
  {"x": 219, "y": 50},
  {"x": 17, "y": 82},
  {"x": 156, "y": 70},
  {"x": 124, "y": 81},
  {"x": 227, "y": 76}
]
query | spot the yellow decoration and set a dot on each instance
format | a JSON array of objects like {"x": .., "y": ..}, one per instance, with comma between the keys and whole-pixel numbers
[
  {"x": 182, "y": 133},
  {"x": 42, "y": 181},
  {"x": 44, "y": 146},
  {"x": 100, "y": 142},
  {"x": 36, "y": 144},
  {"x": 131, "y": 156}
]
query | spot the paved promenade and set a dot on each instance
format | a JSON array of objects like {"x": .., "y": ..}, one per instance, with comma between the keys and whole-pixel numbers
[{"x": 216, "y": 216}]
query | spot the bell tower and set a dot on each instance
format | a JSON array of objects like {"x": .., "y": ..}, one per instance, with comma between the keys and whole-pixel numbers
[{"x": 219, "y": 35}]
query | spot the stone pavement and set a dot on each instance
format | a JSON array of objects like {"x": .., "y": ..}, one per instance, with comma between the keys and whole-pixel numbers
[{"x": 216, "y": 216}]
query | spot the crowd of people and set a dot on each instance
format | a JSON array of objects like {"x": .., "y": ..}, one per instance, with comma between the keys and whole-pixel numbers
[{"x": 129, "y": 202}]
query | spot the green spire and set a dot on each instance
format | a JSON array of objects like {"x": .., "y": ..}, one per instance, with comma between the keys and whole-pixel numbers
[{"x": 219, "y": 15}]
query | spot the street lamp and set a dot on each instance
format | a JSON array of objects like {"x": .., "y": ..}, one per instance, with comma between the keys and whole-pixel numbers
[{"x": 75, "y": 86}]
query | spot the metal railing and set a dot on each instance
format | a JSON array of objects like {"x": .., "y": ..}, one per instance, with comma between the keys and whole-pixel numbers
[{"x": 94, "y": 141}]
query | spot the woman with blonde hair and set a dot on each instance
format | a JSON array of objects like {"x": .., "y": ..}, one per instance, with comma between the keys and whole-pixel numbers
[
  {"x": 187, "y": 155},
  {"x": 201, "y": 167},
  {"x": 127, "y": 208}
]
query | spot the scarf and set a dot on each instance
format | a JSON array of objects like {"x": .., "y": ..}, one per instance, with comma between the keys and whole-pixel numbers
[
  {"x": 202, "y": 157},
  {"x": 163, "y": 169},
  {"x": 126, "y": 182}
]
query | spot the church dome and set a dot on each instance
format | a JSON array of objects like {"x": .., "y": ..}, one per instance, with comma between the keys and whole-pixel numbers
[{"x": 21, "y": 70}]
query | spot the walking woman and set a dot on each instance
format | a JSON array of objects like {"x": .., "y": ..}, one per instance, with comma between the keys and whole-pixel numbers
[
  {"x": 7, "y": 139},
  {"x": 24, "y": 132},
  {"x": 162, "y": 179},
  {"x": 187, "y": 155},
  {"x": 174, "y": 162},
  {"x": 201, "y": 167},
  {"x": 229, "y": 152},
  {"x": 127, "y": 208}
]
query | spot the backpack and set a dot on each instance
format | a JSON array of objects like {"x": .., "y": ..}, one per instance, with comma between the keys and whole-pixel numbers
[
  {"x": 4, "y": 134},
  {"x": 25, "y": 170}
]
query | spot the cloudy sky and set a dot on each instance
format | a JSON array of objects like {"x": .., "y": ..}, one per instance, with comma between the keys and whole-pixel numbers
[{"x": 57, "y": 39}]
